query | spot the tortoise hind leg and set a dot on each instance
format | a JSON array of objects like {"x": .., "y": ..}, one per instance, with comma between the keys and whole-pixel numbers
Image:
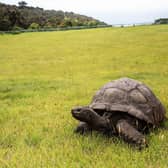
[{"x": 130, "y": 134}]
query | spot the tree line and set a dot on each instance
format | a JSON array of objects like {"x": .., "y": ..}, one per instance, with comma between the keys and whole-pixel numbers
[
  {"x": 14, "y": 17},
  {"x": 161, "y": 21}
]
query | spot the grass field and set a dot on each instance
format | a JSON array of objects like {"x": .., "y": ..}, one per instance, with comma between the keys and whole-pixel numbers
[{"x": 43, "y": 75}]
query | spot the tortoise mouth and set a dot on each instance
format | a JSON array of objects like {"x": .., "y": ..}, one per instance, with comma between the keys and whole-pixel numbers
[
  {"x": 79, "y": 116},
  {"x": 75, "y": 113}
]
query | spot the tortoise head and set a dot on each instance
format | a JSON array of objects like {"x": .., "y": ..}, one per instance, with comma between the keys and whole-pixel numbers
[{"x": 82, "y": 113}]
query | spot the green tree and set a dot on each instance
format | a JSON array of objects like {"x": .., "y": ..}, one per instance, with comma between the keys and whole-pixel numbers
[
  {"x": 77, "y": 22},
  {"x": 5, "y": 25},
  {"x": 66, "y": 22},
  {"x": 92, "y": 23},
  {"x": 23, "y": 16},
  {"x": 16, "y": 28},
  {"x": 13, "y": 15},
  {"x": 34, "y": 26},
  {"x": 22, "y": 4}
]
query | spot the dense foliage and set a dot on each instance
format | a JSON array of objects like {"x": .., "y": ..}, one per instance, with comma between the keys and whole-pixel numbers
[
  {"x": 14, "y": 17},
  {"x": 161, "y": 21}
]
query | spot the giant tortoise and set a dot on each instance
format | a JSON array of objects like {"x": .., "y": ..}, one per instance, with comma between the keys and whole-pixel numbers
[{"x": 123, "y": 107}]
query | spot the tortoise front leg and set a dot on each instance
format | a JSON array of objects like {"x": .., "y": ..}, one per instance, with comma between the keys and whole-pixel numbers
[
  {"x": 130, "y": 134},
  {"x": 83, "y": 128}
]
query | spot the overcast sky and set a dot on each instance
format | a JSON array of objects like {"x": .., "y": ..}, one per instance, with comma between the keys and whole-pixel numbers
[{"x": 109, "y": 11}]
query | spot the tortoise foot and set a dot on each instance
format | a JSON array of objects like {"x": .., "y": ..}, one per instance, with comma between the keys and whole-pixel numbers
[{"x": 82, "y": 128}]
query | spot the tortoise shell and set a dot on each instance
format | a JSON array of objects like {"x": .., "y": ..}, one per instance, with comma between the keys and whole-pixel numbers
[{"x": 131, "y": 96}]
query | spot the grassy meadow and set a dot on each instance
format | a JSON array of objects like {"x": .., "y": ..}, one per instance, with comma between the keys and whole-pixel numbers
[{"x": 43, "y": 75}]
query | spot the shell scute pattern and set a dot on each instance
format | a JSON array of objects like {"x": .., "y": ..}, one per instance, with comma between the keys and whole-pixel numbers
[
  {"x": 137, "y": 97},
  {"x": 131, "y": 96},
  {"x": 114, "y": 95}
]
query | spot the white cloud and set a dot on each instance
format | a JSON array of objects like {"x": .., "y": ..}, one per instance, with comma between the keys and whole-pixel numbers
[{"x": 105, "y": 5}]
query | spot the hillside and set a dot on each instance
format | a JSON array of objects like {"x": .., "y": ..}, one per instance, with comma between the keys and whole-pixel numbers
[
  {"x": 14, "y": 17},
  {"x": 161, "y": 21}
]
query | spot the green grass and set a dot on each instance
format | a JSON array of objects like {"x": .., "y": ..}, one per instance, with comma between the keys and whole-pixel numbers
[{"x": 43, "y": 75}]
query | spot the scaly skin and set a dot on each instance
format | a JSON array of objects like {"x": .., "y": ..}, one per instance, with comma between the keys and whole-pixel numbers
[
  {"x": 83, "y": 128},
  {"x": 130, "y": 134},
  {"x": 120, "y": 124}
]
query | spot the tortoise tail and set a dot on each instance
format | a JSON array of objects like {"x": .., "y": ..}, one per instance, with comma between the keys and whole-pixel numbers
[{"x": 130, "y": 134}]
